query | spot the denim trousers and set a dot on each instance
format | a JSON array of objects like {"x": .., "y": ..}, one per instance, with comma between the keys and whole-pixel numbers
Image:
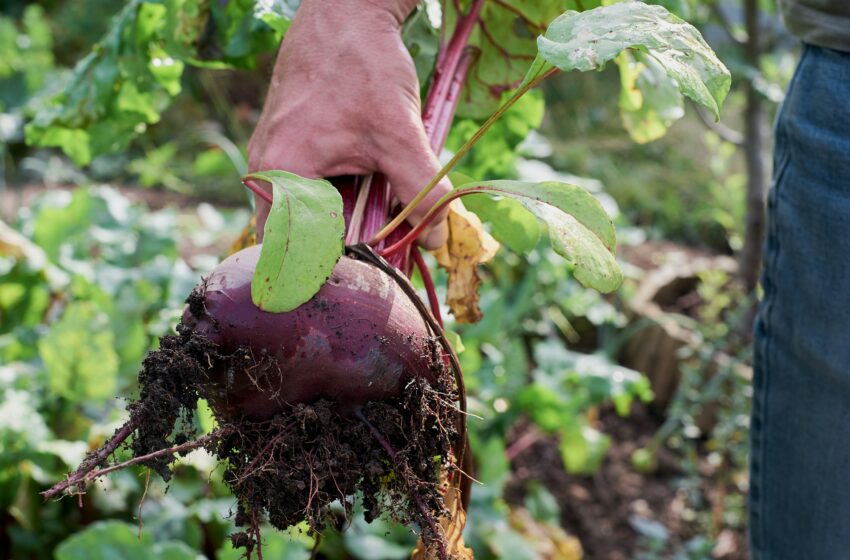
[{"x": 800, "y": 427}]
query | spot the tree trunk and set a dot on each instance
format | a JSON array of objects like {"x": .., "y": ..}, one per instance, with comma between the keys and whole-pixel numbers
[{"x": 751, "y": 254}]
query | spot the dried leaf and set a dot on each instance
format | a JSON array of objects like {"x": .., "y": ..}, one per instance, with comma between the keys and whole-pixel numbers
[
  {"x": 452, "y": 526},
  {"x": 248, "y": 237},
  {"x": 550, "y": 541},
  {"x": 15, "y": 245},
  {"x": 468, "y": 246}
]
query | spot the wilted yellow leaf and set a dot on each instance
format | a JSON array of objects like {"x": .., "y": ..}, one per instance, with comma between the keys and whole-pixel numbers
[{"x": 468, "y": 246}]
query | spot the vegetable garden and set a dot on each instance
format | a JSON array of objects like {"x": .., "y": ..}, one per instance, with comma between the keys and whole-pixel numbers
[{"x": 562, "y": 379}]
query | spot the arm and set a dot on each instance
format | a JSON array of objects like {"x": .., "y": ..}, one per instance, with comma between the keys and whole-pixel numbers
[{"x": 344, "y": 100}]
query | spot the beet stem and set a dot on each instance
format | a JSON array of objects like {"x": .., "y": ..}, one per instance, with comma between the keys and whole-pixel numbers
[
  {"x": 429, "y": 284},
  {"x": 467, "y": 146},
  {"x": 257, "y": 190},
  {"x": 377, "y": 207},
  {"x": 450, "y": 72},
  {"x": 445, "y": 68},
  {"x": 355, "y": 228},
  {"x": 420, "y": 227},
  {"x": 443, "y": 122}
]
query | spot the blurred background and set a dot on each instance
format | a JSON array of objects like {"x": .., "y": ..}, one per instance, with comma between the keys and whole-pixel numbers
[{"x": 613, "y": 427}]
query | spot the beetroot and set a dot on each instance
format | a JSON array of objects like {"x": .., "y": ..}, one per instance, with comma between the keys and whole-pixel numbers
[
  {"x": 349, "y": 394},
  {"x": 359, "y": 339}
]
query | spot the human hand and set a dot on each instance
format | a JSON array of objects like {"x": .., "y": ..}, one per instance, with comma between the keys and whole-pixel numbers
[{"x": 344, "y": 100}]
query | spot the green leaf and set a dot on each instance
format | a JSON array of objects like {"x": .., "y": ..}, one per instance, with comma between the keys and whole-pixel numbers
[
  {"x": 506, "y": 44},
  {"x": 649, "y": 99},
  {"x": 583, "y": 448},
  {"x": 493, "y": 466},
  {"x": 280, "y": 545},
  {"x": 78, "y": 354},
  {"x": 302, "y": 243},
  {"x": 455, "y": 340},
  {"x": 422, "y": 41},
  {"x": 508, "y": 221},
  {"x": 95, "y": 95},
  {"x": 22, "y": 428},
  {"x": 205, "y": 416},
  {"x": 546, "y": 406},
  {"x": 541, "y": 504},
  {"x": 580, "y": 230},
  {"x": 277, "y": 14},
  {"x": 132, "y": 74},
  {"x": 114, "y": 540},
  {"x": 587, "y": 40}
]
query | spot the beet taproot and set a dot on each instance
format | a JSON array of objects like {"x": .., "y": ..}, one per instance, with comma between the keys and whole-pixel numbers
[{"x": 359, "y": 339}]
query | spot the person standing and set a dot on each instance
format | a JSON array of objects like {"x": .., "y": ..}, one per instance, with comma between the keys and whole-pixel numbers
[{"x": 800, "y": 456}]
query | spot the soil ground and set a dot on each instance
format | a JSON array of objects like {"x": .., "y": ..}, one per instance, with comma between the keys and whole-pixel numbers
[{"x": 601, "y": 510}]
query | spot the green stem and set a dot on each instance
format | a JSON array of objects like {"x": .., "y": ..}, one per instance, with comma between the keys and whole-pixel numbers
[{"x": 407, "y": 210}]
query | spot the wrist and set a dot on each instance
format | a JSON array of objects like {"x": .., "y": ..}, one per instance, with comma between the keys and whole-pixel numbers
[
  {"x": 399, "y": 9},
  {"x": 359, "y": 12}
]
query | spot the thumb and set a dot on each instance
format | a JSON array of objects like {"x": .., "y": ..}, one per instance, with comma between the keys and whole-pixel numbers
[{"x": 409, "y": 166}]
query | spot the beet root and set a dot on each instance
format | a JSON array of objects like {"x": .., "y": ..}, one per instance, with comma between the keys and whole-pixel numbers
[{"x": 349, "y": 394}]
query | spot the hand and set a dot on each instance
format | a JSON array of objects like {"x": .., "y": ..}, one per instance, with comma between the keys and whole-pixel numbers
[{"x": 344, "y": 100}]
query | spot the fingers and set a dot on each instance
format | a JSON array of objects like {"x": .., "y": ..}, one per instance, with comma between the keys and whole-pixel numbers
[{"x": 409, "y": 165}]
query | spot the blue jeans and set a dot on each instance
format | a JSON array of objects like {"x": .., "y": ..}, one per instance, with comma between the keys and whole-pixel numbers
[{"x": 800, "y": 459}]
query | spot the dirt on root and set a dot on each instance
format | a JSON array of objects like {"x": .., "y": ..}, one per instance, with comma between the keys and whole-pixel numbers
[
  {"x": 292, "y": 467},
  {"x": 602, "y": 510}
]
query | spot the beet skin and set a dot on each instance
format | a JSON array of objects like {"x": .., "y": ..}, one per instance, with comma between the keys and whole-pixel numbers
[{"x": 359, "y": 339}]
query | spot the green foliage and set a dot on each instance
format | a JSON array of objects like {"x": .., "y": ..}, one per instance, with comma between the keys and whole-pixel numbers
[
  {"x": 422, "y": 41},
  {"x": 87, "y": 289},
  {"x": 580, "y": 230},
  {"x": 508, "y": 221},
  {"x": 78, "y": 354},
  {"x": 303, "y": 241},
  {"x": 156, "y": 168},
  {"x": 26, "y": 56},
  {"x": 587, "y": 40},
  {"x": 506, "y": 44},
  {"x": 113, "y": 540},
  {"x": 566, "y": 384},
  {"x": 649, "y": 99},
  {"x": 132, "y": 74},
  {"x": 494, "y": 155}
]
